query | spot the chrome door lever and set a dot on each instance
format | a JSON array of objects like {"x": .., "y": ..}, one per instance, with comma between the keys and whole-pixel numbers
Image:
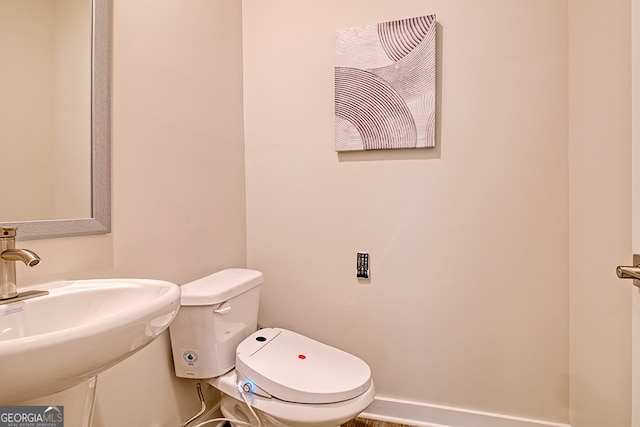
[{"x": 630, "y": 272}]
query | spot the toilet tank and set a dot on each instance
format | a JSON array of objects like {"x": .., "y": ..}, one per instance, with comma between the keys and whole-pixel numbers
[{"x": 216, "y": 313}]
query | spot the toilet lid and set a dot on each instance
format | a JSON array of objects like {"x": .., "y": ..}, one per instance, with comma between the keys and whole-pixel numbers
[{"x": 294, "y": 368}]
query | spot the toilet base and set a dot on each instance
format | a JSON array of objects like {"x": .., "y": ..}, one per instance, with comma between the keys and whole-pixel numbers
[{"x": 234, "y": 409}]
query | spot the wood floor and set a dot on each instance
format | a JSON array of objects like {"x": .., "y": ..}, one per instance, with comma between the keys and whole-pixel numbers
[{"x": 362, "y": 422}]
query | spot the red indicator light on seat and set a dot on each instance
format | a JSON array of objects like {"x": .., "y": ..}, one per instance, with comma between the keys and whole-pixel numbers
[{"x": 302, "y": 356}]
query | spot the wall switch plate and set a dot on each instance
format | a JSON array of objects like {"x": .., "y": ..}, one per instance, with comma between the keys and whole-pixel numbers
[{"x": 362, "y": 265}]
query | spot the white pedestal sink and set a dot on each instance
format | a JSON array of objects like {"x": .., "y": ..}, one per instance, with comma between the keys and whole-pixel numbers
[{"x": 56, "y": 341}]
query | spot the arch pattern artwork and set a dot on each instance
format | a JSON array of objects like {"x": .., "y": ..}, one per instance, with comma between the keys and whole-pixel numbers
[{"x": 385, "y": 85}]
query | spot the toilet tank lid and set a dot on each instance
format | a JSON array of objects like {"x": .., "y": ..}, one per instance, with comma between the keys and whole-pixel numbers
[{"x": 219, "y": 287}]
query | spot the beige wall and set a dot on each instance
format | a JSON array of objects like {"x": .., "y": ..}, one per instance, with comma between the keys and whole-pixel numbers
[
  {"x": 468, "y": 300},
  {"x": 468, "y": 304}
]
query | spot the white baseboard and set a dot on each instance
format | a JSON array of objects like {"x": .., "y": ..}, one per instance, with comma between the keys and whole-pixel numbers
[{"x": 426, "y": 415}]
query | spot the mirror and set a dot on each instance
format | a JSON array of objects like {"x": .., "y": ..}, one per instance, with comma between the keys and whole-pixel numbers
[{"x": 55, "y": 116}]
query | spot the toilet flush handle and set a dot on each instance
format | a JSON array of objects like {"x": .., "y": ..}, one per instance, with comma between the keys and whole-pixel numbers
[{"x": 223, "y": 308}]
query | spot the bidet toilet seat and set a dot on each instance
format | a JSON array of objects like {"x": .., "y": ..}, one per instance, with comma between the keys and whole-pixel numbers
[
  {"x": 294, "y": 368},
  {"x": 288, "y": 413}
]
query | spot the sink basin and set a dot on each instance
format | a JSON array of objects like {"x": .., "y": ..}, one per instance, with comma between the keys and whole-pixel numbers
[{"x": 53, "y": 342}]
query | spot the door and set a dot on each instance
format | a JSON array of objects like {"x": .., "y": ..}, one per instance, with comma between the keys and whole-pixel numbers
[{"x": 635, "y": 146}]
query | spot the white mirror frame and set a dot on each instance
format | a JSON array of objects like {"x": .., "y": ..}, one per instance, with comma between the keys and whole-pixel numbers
[{"x": 100, "y": 221}]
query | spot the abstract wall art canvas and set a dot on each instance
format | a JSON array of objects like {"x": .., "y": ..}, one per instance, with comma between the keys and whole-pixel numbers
[{"x": 385, "y": 85}]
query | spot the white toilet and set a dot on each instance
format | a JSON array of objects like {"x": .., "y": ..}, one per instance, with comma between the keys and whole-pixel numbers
[{"x": 287, "y": 378}]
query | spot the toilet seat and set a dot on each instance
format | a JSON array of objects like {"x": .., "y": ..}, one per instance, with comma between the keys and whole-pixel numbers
[{"x": 294, "y": 368}]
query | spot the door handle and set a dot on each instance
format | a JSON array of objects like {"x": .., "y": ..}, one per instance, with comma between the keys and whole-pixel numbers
[{"x": 630, "y": 272}]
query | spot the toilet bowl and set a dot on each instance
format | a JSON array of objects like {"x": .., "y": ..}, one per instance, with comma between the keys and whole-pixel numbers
[
  {"x": 276, "y": 413},
  {"x": 287, "y": 379},
  {"x": 295, "y": 381}
]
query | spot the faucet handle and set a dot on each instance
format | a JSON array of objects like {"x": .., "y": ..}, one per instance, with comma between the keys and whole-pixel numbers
[{"x": 8, "y": 232}]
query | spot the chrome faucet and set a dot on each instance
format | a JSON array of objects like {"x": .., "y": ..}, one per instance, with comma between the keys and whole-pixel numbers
[{"x": 9, "y": 255}]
